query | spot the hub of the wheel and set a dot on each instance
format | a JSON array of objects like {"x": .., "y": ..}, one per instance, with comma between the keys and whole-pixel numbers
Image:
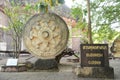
[{"x": 45, "y": 34}]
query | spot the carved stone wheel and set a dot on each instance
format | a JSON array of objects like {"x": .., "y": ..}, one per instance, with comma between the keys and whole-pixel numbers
[{"x": 46, "y": 35}]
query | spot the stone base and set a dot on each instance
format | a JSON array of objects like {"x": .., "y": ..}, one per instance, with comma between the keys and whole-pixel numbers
[
  {"x": 94, "y": 72},
  {"x": 45, "y": 64},
  {"x": 18, "y": 68}
]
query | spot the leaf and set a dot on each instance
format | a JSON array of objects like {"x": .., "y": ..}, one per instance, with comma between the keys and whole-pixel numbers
[{"x": 61, "y": 1}]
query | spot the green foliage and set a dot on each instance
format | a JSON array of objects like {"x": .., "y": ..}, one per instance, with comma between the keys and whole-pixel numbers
[
  {"x": 61, "y": 1},
  {"x": 117, "y": 37},
  {"x": 17, "y": 18},
  {"x": 44, "y": 4},
  {"x": 103, "y": 14},
  {"x": 104, "y": 33},
  {"x": 78, "y": 14},
  {"x": 106, "y": 12},
  {"x": 19, "y": 13},
  {"x": 40, "y": 6}
]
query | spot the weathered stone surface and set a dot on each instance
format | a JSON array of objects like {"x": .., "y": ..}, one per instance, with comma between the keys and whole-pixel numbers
[
  {"x": 116, "y": 47},
  {"x": 18, "y": 68},
  {"x": 46, "y": 35},
  {"x": 45, "y": 64},
  {"x": 94, "y": 55},
  {"x": 94, "y": 72}
]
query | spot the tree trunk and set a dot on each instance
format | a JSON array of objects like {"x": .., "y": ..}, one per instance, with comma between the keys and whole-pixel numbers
[
  {"x": 89, "y": 23},
  {"x": 17, "y": 47}
]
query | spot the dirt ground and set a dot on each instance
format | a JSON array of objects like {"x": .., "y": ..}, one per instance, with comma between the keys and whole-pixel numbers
[{"x": 64, "y": 73}]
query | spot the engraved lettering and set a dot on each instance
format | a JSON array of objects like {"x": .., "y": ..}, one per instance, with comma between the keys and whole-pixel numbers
[
  {"x": 94, "y": 55},
  {"x": 94, "y": 62},
  {"x": 95, "y": 47}
]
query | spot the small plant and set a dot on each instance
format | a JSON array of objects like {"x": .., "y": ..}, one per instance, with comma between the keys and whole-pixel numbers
[{"x": 15, "y": 28}]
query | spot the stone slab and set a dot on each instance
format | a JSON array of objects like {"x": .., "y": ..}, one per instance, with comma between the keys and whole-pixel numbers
[
  {"x": 45, "y": 64},
  {"x": 12, "y": 62},
  {"x": 94, "y": 72}
]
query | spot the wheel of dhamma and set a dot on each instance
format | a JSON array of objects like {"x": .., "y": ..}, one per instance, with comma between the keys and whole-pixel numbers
[{"x": 46, "y": 35}]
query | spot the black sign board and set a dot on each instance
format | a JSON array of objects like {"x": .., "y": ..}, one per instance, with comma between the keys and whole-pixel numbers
[{"x": 94, "y": 55}]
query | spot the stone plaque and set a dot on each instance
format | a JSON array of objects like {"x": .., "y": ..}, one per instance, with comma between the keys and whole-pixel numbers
[
  {"x": 12, "y": 62},
  {"x": 94, "y": 55}
]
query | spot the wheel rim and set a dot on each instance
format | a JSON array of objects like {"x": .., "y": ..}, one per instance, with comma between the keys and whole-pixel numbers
[{"x": 46, "y": 35}]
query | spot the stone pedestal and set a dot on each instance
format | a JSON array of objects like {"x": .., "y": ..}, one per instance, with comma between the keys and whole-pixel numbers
[
  {"x": 45, "y": 64},
  {"x": 94, "y": 72},
  {"x": 94, "y": 62}
]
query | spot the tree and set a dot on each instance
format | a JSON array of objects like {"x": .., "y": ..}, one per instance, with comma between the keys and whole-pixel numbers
[
  {"x": 104, "y": 13},
  {"x": 89, "y": 23},
  {"x": 19, "y": 13},
  {"x": 15, "y": 28}
]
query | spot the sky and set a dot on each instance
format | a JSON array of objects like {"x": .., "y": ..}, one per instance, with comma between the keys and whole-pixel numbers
[{"x": 69, "y": 3}]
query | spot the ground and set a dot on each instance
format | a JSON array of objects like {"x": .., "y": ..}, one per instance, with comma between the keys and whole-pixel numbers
[{"x": 64, "y": 73}]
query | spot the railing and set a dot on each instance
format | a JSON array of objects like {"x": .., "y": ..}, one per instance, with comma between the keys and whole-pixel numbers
[
  {"x": 11, "y": 53},
  {"x": 21, "y": 52}
]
